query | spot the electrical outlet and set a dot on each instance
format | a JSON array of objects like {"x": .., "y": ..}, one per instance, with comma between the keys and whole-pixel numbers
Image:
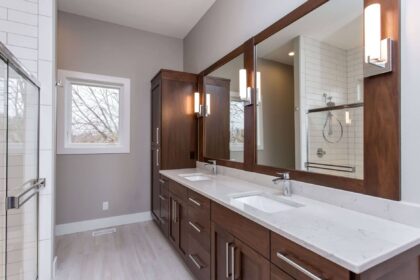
[{"x": 105, "y": 205}]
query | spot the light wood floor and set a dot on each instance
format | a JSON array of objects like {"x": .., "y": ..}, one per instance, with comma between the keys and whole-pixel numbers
[{"x": 137, "y": 251}]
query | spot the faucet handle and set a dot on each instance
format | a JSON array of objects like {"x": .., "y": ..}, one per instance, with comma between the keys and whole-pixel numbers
[
  {"x": 284, "y": 175},
  {"x": 212, "y": 161}
]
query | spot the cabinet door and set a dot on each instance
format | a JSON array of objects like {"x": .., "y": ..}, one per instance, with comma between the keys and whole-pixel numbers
[
  {"x": 155, "y": 185},
  {"x": 164, "y": 206},
  {"x": 183, "y": 226},
  {"x": 248, "y": 264},
  {"x": 222, "y": 243},
  {"x": 174, "y": 221},
  {"x": 278, "y": 274},
  {"x": 156, "y": 115}
]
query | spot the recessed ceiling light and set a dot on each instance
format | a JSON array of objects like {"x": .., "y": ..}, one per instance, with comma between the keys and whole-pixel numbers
[{"x": 291, "y": 53}]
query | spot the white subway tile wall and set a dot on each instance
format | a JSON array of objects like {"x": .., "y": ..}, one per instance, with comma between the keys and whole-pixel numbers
[
  {"x": 27, "y": 28},
  {"x": 333, "y": 72}
]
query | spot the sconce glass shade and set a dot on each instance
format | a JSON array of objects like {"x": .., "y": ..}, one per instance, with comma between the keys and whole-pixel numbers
[
  {"x": 373, "y": 33},
  {"x": 208, "y": 104},
  {"x": 196, "y": 102},
  {"x": 242, "y": 84},
  {"x": 258, "y": 87}
]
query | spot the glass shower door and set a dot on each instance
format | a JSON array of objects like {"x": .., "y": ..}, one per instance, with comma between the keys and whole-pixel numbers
[{"x": 22, "y": 182}]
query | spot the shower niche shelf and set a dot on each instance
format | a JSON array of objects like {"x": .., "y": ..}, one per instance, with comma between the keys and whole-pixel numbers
[{"x": 338, "y": 107}]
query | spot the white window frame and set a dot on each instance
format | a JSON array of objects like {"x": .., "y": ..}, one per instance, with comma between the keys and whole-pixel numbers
[{"x": 64, "y": 96}]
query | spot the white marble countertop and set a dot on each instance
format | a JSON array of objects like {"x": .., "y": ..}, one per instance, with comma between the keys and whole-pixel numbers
[{"x": 351, "y": 239}]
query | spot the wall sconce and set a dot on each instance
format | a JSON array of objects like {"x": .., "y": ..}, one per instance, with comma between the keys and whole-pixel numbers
[
  {"x": 207, "y": 111},
  {"x": 244, "y": 91},
  {"x": 258, "y": 88},
  {"x": 378, "y": 52},
  {"x": 201, "y": 110}
]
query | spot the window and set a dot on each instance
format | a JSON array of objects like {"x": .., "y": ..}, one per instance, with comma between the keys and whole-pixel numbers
[{"x": 93, "y": 114}]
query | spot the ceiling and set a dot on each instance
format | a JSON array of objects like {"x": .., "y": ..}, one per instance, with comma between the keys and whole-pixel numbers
[
  {"x": 166, "y": 17},
  {"x": 338, "y": 23}
]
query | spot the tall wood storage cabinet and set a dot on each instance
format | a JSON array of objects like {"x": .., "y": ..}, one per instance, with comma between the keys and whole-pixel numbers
[{"x": 174, "y": 133}]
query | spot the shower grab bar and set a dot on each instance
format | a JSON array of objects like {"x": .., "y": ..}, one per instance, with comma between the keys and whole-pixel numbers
[
  {"x": 332, "y": 167},
  {"x": 14, "y": 202}
]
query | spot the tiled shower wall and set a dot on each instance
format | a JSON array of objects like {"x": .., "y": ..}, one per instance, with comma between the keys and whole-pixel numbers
[
  {"x": 338, "y": 73},
  {"x": 27, "y": 27}
]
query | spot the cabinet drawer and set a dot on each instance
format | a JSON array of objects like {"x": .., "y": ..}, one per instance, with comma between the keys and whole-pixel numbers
[
  {"x": 249, "y": 232},
  {"x": 198, "y": 201},
  {"x": 199, "y": 226},
  {"x": 295, "y": 260},
  {"x": 198, "y": 259},
  {"x": 177, "y": 189},
  {"x": 278, "y": 274},
  {"x": 164, "y": 208}
]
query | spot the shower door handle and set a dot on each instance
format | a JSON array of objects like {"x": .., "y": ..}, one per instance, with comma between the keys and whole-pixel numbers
[{"x": 15, "y": 202}]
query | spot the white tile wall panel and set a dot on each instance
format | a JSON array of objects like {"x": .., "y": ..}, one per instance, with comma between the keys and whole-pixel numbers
[
  {"x": 20, "y": 5},
  {"x": 22, "y": 41},
  {"x": 3, "y": 36},
  {"x": 337, "y": 73},
  {"x": 22, "y": 17},
  {"x": 45, "y": 78},
  {"x": 18, "y": 28},
  {"x": 23, "y": 53},
  {"x": 46, "y": 121},
  {"x": 3, "y": 13},
  {"x": 45, "y": 38},
  {"x": 45, "y": 7}
]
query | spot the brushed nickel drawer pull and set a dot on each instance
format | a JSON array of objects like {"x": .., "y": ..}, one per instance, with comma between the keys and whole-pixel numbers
[
  {"x": 162, "y": 181},
  {"x": 194, "y": 226},
  {"x": 298, "y": 267},
  {"x": 162, "y": 197},
  {"x": 194, "y": 201},
  {"x": 227, "y": 259},
  {"x": 196, "y": 263}
]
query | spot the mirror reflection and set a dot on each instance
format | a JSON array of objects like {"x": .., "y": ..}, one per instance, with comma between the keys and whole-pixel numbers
[
  {"x": 310, "y": 93},
  {"x": 224, "y": 126}
]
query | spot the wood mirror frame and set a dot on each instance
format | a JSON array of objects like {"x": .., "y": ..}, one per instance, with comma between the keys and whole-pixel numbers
[{"x": 381, "y": 113}]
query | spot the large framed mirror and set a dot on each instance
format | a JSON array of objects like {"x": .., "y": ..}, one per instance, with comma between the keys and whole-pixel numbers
[
  {"x": 309, "y": 82},
  {"x": 312, "y": 109},
  {"x": 225, "y": 122}
]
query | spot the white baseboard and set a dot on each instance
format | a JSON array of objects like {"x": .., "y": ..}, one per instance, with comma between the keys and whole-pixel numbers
[{"x": 102, "y": 223}]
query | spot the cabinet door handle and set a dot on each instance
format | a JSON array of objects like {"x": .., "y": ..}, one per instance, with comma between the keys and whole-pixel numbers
[
  {"x": 173, "y": 210},
  {"x": 298, "y": 267},
  {"x": 194, "y": 201},
  {"x": 157, "y": 157},
  {"x": 157, "y": 135},
  {"x": 232, "y": 251},
  {"x": 176, "y": 212},
  {"x": 162, "y": 181},
  {"x": 194, "y": 226},
  {"x": 162, "y": 197},
  {"x": 196, "y": 263},
  {"x": 227, "y": 259}
]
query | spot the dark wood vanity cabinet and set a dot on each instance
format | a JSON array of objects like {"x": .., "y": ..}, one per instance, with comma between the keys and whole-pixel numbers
[
  {"x": 173, "y": 125},
  {"x": 233, "y": 257},
  {"x": 178, "y": 217}
]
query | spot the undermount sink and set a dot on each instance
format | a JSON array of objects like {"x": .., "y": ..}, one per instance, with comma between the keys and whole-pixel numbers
[
  {"x": 195, "y": 177},
  {"x": 265, "y": 203}
]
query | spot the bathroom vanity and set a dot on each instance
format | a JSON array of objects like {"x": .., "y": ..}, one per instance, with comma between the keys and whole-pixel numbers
[{"x": 228, "y": 228}]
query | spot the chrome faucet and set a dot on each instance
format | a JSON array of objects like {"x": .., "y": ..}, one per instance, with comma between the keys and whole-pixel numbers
[
  {"x": 285, "y": 178},
  {"x": 213, "y": 166}
]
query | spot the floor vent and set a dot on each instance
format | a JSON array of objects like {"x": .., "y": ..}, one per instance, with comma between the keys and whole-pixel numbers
[{"x": 103, "y": 231}]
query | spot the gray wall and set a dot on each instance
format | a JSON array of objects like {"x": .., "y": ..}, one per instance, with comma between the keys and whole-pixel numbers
[
  {"x": 227, "y": 25},
  {"x": 277, "y": 88},
  {"x": 84, "y": 181}
]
